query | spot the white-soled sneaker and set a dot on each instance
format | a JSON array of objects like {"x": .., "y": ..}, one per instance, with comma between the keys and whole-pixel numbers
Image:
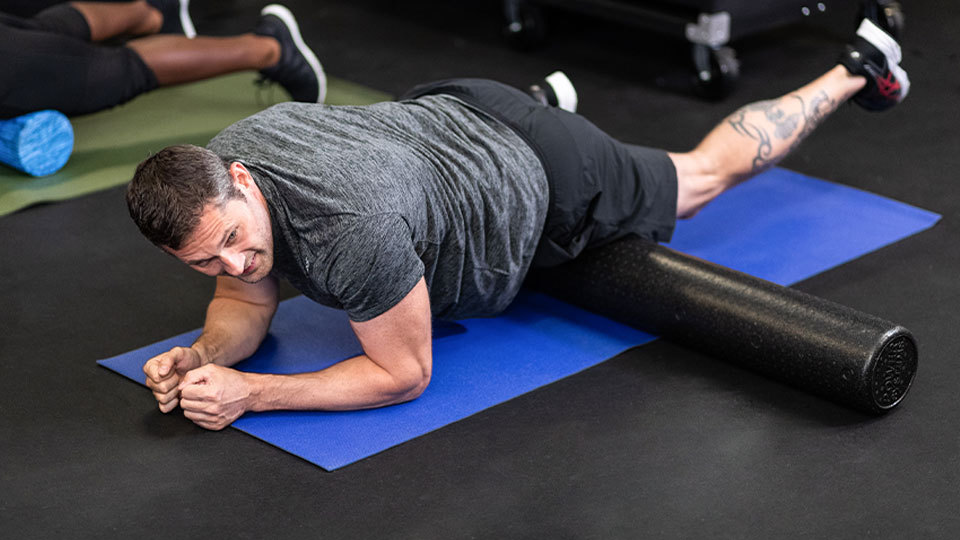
[
  {"x": 298, "y": 70},
  {"x": 875, "y": 55},
  {"x": 556, "y": 90}
]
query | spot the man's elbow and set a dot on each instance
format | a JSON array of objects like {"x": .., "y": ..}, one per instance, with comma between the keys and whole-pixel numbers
[{"x": 413, "y": 383}]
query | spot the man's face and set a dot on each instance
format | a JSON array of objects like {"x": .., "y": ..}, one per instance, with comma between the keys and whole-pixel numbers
[{"x": 235, "y": 240}]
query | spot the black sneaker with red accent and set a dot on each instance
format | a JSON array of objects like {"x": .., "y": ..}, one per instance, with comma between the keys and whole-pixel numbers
[{"x": 876, "y": 55}]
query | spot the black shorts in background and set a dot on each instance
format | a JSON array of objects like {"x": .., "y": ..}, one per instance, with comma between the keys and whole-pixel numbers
[
  {"x": 600, "y": 189},
  {"x": 48, "y": 62}
]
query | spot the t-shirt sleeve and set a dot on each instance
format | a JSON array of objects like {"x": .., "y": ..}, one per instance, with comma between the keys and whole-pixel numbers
[{"x": 372, "y": 266}]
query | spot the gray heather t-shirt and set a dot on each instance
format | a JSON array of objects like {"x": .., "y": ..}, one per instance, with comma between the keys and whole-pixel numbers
[{"x": 364, "y": 201}]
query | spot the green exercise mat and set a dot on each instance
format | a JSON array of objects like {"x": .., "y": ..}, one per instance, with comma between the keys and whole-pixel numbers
[{"x": 109, "y": 144}]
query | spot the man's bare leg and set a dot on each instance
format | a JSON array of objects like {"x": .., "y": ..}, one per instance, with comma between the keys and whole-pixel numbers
[
  {"x": 759, "y": 135},
  {"x": 756, "y": 137}
]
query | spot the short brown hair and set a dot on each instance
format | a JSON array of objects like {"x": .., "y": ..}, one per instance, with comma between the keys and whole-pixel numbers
[{"x": 170, "y": 189}]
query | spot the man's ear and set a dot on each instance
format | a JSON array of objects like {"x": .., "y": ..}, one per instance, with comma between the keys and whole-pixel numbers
[{"x": 240, "y": 175}]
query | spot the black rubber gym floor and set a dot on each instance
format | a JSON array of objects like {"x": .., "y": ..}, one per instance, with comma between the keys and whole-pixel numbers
[{"x": 659, "y": 442}]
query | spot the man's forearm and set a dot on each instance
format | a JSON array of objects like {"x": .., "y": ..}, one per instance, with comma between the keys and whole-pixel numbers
[
  {"x": 395, "y": 367},
  {"x": 355, "y": 383},
  {"x": 233, "y": 331}
]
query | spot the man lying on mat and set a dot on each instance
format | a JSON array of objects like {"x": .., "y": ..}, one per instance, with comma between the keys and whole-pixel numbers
[{"x": 435, "y": 205}]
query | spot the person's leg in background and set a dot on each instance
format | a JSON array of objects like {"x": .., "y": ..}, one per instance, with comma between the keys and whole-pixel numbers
[
  {"x": 759, "y": 135},
  {"x": 51, "y": 63},
  {"x": 275, "y": 47},
  {"x": 99, "y": 21},
  {"x": 106, "y": 20}
]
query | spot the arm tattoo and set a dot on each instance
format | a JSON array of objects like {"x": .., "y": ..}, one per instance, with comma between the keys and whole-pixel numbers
[
  {"x": 783, "y": 126},
  {"x": 739, "y": 124},
  {"x": 820, "y": 107}
]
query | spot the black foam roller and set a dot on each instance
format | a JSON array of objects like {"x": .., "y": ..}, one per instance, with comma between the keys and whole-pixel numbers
[{"x": 816, "y": 345}]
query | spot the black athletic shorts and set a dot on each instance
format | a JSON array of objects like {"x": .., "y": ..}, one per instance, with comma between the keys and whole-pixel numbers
[
  {"x": 600, "y": 189},
  {"x": 48, "y": 62}
]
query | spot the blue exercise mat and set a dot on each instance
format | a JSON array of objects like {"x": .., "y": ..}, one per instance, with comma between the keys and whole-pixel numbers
[
  {"x": 781, "y": 226},
  {"x": 784, "y": 227}
]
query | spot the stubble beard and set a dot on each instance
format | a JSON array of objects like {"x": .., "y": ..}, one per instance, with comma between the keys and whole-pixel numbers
[{"x": 264, "y": 265}]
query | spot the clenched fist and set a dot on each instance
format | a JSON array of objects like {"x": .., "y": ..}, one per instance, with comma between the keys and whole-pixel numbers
[{"x": 165, "y": 371}]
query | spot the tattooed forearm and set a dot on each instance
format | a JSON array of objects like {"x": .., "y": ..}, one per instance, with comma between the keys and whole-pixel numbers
[
  {"x": 784, "y": 124},
  {"x": 778, "y": 123},
  {"x": 820, "y": 107},
  {"x": 739, "y": 123}
]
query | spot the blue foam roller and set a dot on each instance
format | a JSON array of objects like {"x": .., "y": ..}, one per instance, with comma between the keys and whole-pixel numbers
[{"x": 38, "y": 143}]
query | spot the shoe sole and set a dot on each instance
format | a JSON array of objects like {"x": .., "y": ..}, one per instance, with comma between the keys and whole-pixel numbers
[
  {"x": 885, "y": 43},
  {"x": 188, "y": 29},
  {"x": 881, "y": 40},
  {"x": 286, "y": 16},
  {"x": 564, "y": 90}
]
